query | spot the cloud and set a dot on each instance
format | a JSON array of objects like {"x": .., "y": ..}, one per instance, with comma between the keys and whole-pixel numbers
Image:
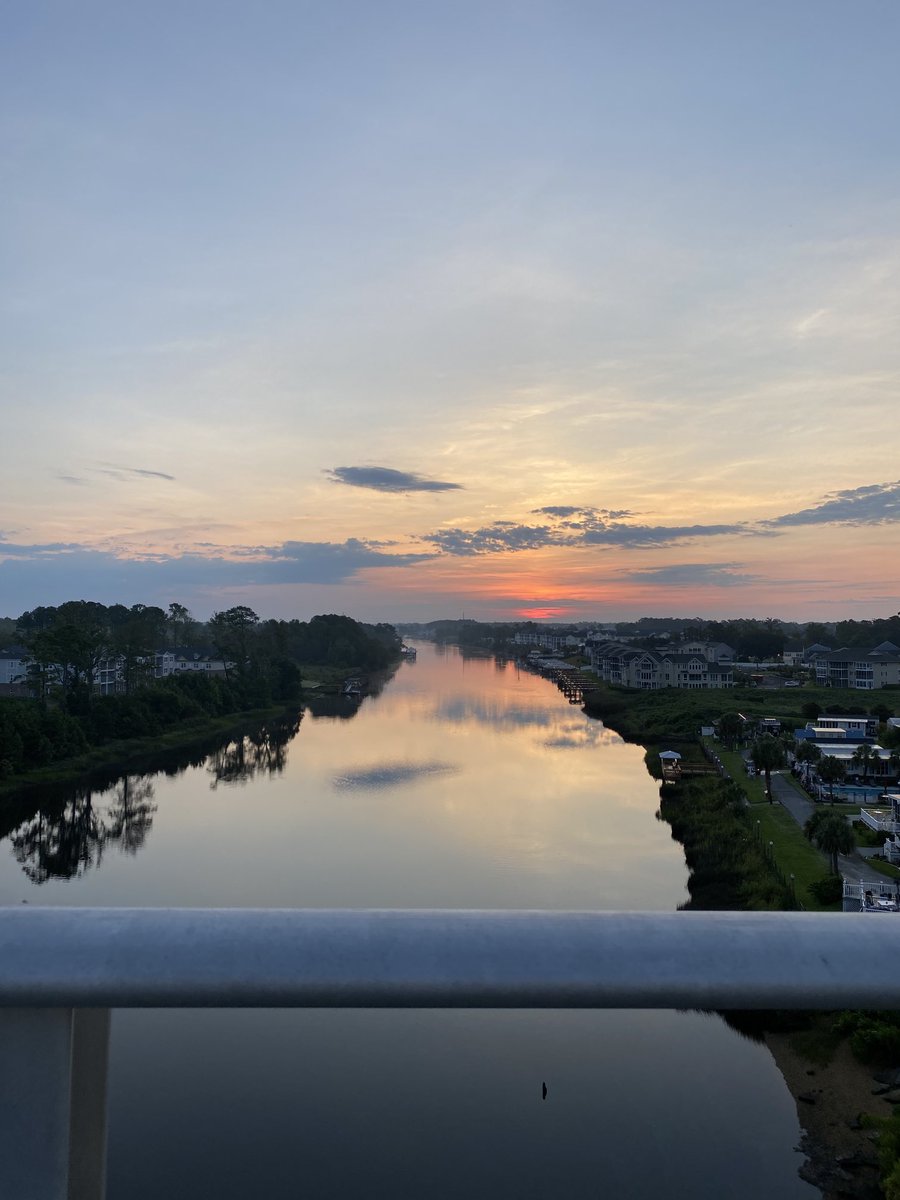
[
  {"x": 557, "y": 510},
  {"x": 53, "y": 572},
  {"x": 596, "y": 527},
  {"x": 114, "y": 471},
  {"x": 74, "y": 480},
  {"x": 568, "y": 510},
  {"x": 693, "y": 575},
  {"x": 385, "y": 479},
  {"x": 492, "y": 539},
  {"x": 875, "y": 504},
  {"x": 575, "y": 525},
  {"x": 38, "y": 550},
  {"x": 327, "y": 562}
]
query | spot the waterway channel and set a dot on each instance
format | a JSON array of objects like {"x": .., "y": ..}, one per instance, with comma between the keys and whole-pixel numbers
[{"x": 463, "y": 784}]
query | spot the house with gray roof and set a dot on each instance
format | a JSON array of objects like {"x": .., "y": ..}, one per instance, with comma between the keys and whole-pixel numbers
[
  {"x": 650, "y": 669},
  {"x": 859, "y": 668}
]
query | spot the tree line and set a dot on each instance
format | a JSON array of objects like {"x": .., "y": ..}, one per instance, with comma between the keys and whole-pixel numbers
[{"x": 263, "y": 666}]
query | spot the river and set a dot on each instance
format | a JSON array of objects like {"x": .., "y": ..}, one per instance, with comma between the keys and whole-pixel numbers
[{"x": 463, "y": 784}]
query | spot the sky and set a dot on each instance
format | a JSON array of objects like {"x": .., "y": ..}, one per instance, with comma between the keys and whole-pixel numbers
[{"x": 566, "y": 311}]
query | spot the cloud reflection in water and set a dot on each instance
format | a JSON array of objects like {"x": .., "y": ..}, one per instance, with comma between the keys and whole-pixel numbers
[{"x": 391, "y": 774}]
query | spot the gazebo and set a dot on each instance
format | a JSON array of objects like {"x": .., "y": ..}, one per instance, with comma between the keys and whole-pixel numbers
[{"x": 671, "y": 764}]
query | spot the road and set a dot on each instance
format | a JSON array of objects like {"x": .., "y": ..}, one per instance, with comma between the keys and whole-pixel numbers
[{"x": 852, "y": 866}]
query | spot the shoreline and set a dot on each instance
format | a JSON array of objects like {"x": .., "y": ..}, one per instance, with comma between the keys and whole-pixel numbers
[
  {"x": 117, "y": 757},
  {"x": 841, "y": 1155},
  {"x": 841, "y": 1158}
]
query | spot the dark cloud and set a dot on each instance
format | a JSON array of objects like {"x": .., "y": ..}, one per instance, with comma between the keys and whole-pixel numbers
[
  {"x": 596, "y": 528},
  {"x": 53, "y": 572},
  {"x": 875, "y": 504},
  {"x": 615, "y": 534},
  {"x": 74, "y": 480},
  {"x": 114, "y": 471},
  {"x": 574, "y": 525},
  {"x": 693, "y": 574},
  {"x": 385, "y": 479},
  {"x": 557, "y": 510},
  {"x": 328, "y": 562},
  {"x": 498, "y": 538},
  {"x": 569, "y": 510}
]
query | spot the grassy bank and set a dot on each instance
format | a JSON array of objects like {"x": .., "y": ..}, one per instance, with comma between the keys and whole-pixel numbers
[
  {"x": 678, "y": 714},
  {"x": 673, "y": 718},
  {"x": 730, "y": 867}
]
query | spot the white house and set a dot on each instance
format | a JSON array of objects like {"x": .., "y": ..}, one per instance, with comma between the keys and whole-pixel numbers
[
  {"x": 859, "y": 668},
  {"x": 13, "y": 665}
]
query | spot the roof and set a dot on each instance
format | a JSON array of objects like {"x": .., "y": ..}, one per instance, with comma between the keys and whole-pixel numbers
[{"x": 16, "y": 653}]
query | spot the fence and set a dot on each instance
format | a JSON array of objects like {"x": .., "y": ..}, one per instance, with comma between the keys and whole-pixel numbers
[{"x": 61, "y": 970}]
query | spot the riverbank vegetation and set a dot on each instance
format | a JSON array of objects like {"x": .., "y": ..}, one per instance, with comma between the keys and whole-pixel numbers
[
  {"x": 746, "y": 853},
  {"x": 261, "y": 668},
  {"x": 729, "y": 863},
  {"x": 679, "y": 714}
]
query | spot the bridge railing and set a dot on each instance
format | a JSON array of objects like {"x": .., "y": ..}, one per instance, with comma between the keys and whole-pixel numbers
[{"x": 61, "y": 970}]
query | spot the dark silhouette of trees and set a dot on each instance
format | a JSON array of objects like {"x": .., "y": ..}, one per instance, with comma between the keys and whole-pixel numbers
[
  {"x": 831, "y": 771},
  {"x": 767, "y": 754},
  {"x": 831, "y": 834}
]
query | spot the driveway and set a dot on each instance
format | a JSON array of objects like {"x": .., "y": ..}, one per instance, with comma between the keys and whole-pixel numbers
[{"x": 852, "y": 866}]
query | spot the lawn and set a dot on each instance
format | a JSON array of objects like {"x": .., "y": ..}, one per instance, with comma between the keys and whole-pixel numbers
[
  {"x": 734, "y": 765},
  {"x": 794, "y": 854}
]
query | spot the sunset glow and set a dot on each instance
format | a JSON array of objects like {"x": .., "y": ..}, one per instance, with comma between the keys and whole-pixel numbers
[{"x": 529, "y": 314}]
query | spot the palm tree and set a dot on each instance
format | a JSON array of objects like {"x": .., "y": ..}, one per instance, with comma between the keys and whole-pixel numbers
[
  {"x": 865, "y": 756},
  {"x": 767, "y": 754},
  {"x": 832, "y": 835},
  {"x": 807, "y": 753},
  {"x": 731, "y": 727},
  {"x": 831, "y": 771}
]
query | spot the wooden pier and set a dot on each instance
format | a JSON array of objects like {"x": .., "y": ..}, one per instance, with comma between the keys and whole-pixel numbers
[{"x": 573, "y": 682}]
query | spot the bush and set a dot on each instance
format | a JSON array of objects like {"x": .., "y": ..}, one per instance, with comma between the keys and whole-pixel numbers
[
  {"x": 828, "y": 890},
  {"x": 874, "y": 1036}
]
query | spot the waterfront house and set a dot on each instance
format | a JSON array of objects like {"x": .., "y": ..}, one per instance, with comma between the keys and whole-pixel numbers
[
  {"x": 859, "y": 668},
  {"x": 649, "y": 669}
]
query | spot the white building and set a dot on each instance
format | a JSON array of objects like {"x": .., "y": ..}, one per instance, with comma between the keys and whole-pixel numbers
[{"x": 13, "y": 665}]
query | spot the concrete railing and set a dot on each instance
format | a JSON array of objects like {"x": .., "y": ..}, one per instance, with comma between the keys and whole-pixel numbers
[{"x": 61, "y": 970}]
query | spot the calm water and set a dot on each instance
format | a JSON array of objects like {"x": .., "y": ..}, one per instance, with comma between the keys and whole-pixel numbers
[{"x": 464, "y": 784}]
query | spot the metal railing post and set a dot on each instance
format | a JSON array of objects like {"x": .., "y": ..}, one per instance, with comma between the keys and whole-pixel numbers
[
  {"x": 53, "y": 1103},
  {"x": 87, "y": 1121}
]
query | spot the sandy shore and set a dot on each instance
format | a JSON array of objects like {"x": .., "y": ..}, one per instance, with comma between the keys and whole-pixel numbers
[{"x": 841, "y": 1156}]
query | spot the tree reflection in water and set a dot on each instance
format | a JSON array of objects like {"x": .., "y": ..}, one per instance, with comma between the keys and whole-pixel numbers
[
  {"x": 263, "y": 752},
  {"x": 66, "y": 841},
  {"x": 67, "y": 835}
]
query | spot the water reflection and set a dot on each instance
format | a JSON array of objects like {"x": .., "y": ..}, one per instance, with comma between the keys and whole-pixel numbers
[
  {"x": 391, "y": 774},
  {"x": 461, "y": 709},
  {"x": 463, "y": 785},
  {"x": 260, "y": 752},
  {"x": 576, "y": 735},
  {"x": 62, "y": 833},
  {"x": 567, "y": 732},
  {"x": 65, "y": 841},
  {"x": 340, "y": 708}
]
